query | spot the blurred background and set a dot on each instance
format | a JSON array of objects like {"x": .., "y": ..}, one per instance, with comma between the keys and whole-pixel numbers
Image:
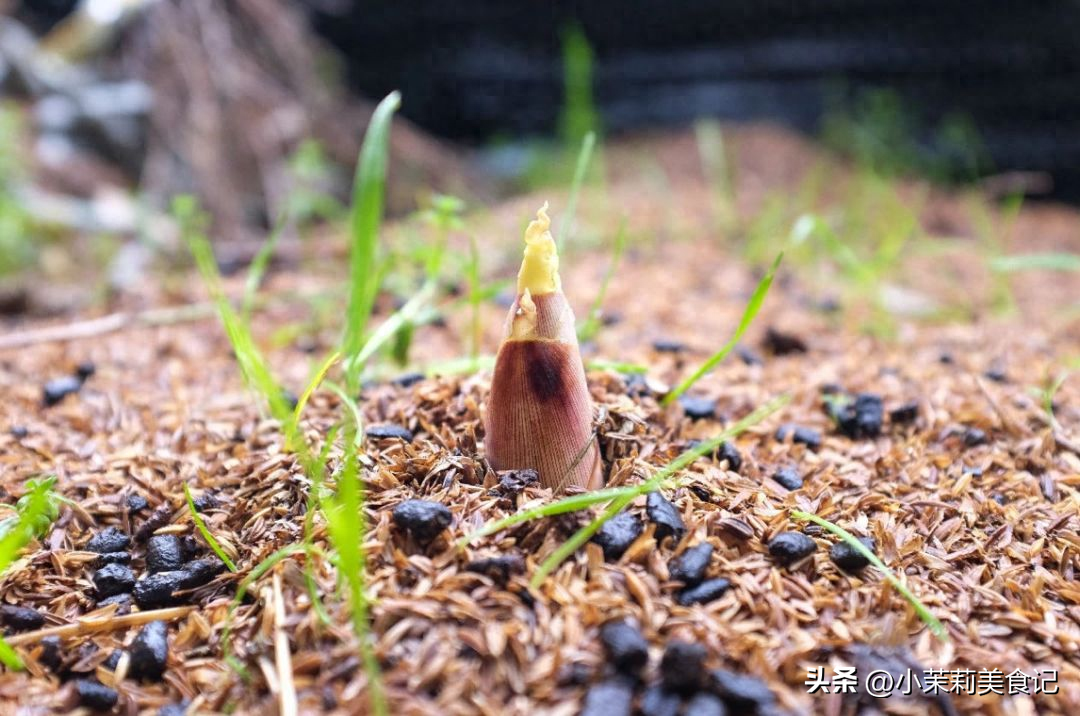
[{"x": 257, "y": 107}]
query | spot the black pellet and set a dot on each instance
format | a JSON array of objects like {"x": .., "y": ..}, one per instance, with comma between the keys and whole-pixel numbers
[
  {"x": 113, "y": 579},
  {"x": 388, "y": 431},
  {"x": 789, "y": 547},
  {"x": 742, "y": 693},
  {"x": 613, "y": 697},
  {"x": 847, "y": 557},
  {"x": 20, "y": 618},
  {"x": 164, "y": 553},
  {"x": 705, "y": 705},
  {"x": 782, "y": 344},
  {"x": 136, "y": 503},
  {"x": 626, "y": 648},
  {"x": 682, "y": 669},
  {"x": 807, "y": 436},
  {"x": 788, "y": 478},
  {"x": 95, "y": 696},
  {"x": 617, "y": 534},
  {"x": 904, "y": 414},
  {"x": 665, "y": 516},
  {"x": 703, "y": 593},
  {"x": 57, "y": 389},
  {"x": 150, "y": 651},
  {"x": 690, "y": 566},
  {"x": 114, "y": 558},
  {"x": 109, "y": 539},
  {"x": 697, "y": 408},
  {"x": 424, "y": 519},
  {"x": 658, "y": 701},
  {"x": 499, "y": 568}
]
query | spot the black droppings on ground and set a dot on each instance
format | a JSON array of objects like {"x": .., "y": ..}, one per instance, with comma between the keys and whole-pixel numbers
[
  {"x": 114, "y": 558},
  {"x": 499, "y": 568},
  {"x": 788, "y": 478},
  {"x": 697, "y": 408},
  {"x": 807, "y": 436},
  {"x": 18, "y": 431},
  {"x": 206, "y": 501},
  {"x": 848, "y": 558},
  {"x": 51, "y": 656},
  {"x": 789, "y": 547},
  {"x": 832, "y": 389},
  {"x": 156, "y": 590},
  {"x": 150, "y": 651},
  {"x": 617, "y": 534},
  {"x": 389, "y": 431},
  {"x": 407, "y": 380},
  {"x": 704, "y": 704},
  {"x": 113, "y": 660},
  {"x": 703, "y": 593},
  {"x": 424, "y": 519},
  {"x": 136, "y": 504},
  {"x": 668, "y": 345},
  {"x": 512, "y": 482},
  {"x": 665, "y": 516},
  {"x": 862, "y": 417},
  {"x": 109, "y": 539},
  {"x": 682, "y": 669},
  {"x": 658, "y": 701},
  {"x": 742, "y": 693},
  {"x": 626, "y": 648},
  {"x": 974, "y": 437},
  {"x": 94, "y": 695},
  {"x": 20, "y": 618},
  {"x": 123, "y": 602},
  {"x": 690, "y": 566},
  {"x": 84, "y": 370},
  {"x": 780, "y": 343},
  {"x": 164, "y": 553},
  {"x": 729, "y": 452},
  {"x": 200, "y": 571},
  {"x": 996, "y": 372},
  {"x": 613, "y": 697},
  {"x": 113, "y": 579},
  {"x": 57, "y": 389},
  {"x": 904, "y": 414}
]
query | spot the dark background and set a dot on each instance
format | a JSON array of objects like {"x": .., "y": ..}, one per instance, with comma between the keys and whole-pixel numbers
[{"x": 478, "y": 70}]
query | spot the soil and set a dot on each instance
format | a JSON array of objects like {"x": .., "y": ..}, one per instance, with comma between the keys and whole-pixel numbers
[{"x": 974, "y": 502}]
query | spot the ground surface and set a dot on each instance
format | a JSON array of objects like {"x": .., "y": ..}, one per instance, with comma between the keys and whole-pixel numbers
[{"x": 986, "y": 532}]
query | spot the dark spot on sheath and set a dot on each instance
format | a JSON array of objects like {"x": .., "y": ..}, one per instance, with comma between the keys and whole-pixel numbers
[{"x": 545, "y": 364}]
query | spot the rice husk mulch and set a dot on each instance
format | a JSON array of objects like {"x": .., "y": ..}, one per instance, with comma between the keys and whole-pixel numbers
[{"x": 987, "y": 535}]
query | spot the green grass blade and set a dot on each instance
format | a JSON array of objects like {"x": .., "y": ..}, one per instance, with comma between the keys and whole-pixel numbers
[
  {"x": 257, "y": 270},
  {"x": 473, "y": 274},
  {"x": 347, "y": 527},
  {"x": 617, "y": 366},
  {"x": 354, "y": 411},
  {"x": 580, "y": 169},
  {"x": 591, "y": 326},
  {"x": 205, "y": 531},
  {"x": 1062, "y": 261},
  {"x": 312, "y": 386},
  {"x": 387, "y": 330},
  {"x": 34, "y": 513},
  {"x": 367, "y": 211},
  {"x": 929, "y": 619},
  {"x": 751, "y": 311},
  {"x": 656, "y": 482}
]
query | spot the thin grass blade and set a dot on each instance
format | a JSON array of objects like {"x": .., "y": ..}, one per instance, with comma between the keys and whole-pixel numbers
[{"x": 749, "y": 313}]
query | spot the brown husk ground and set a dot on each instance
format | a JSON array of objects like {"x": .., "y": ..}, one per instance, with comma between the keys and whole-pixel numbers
[{"x": 167, "y": 407}]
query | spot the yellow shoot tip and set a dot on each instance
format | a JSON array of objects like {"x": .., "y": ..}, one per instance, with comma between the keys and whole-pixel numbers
[{"x": 540, "y": 268}]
